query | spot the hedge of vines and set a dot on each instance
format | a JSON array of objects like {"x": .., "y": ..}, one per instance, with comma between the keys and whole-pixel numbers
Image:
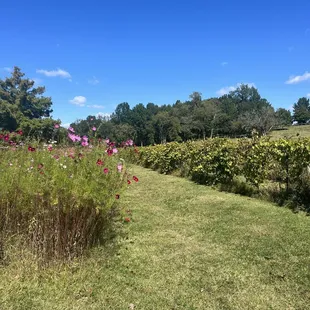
[{"x": 280, "y": 167}]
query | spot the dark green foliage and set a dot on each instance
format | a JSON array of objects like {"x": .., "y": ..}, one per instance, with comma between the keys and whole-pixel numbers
[
  {"x": 238, "y": 113},
  {"x": 23, "y": 106},
  {"x": 284, "y": 117},
  {"x": 302, "y": 111}
]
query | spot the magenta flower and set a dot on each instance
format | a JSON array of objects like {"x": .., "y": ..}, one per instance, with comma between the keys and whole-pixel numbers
[
  {"x": 84, "y": 143},
  {"x": 56, "y": 126},
  {"x": 105, "y": 170},
  {"x": 71, "y": 129},
  {"x": 74, "y": 137},
  {"x": 107, "y": 141},
  {"x": 94, "y": 128},
  {"x": 85, "y": 138},
  {"x": 119, "y": 167},
  {"x": 129, "y": 142}
]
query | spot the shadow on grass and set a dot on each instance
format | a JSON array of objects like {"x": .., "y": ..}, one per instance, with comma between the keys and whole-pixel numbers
[{"x": 16, "y": 248}]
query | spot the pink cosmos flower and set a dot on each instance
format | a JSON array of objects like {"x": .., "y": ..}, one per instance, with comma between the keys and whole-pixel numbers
[
  {"x": 71, "y": 129},
  {"x": 56, "y": 126},
  {"x": 84, "y": 143},
  {"x": 94, "y": 128},
  {"x": 85, "y": 138},
  {"x": 115, "y": 150},
  {"x": 129, "y": 142},
  {"x": 74, "y": 137},
  {"x": 119, "y": 167}
]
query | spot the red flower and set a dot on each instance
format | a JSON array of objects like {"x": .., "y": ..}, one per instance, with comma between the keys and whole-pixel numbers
[
  {"x": 105, "y": 170},
  {"x": 127, "y": 219},
  {"x": 110, "y": 152},
  {"x": 135, "y": 178},
  {"x": 117, "y": 196},
  {"x": 6, "y": 138},
  {"x": 128, "y": 182},
  {"x": 20, "y": 132},
  {"x": 56, "y": 156},
  {"x": 31, "y": 149},
  {"x": 50, "y": 148},
  {"x": 99, "y": 162}
]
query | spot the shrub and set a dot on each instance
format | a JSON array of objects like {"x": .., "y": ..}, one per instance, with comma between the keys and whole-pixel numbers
[{"x": 276, "y": 169}]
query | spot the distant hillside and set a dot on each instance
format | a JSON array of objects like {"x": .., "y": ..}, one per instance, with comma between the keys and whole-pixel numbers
[{"x": 292, "y": 132}]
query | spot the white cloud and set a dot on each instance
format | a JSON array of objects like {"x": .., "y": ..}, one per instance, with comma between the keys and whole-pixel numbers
[
  {"x": 224, "y": 63},
  {"x": 308, "y": 95},
  {"x": 65, "y": 125},
  {"x": 78, "y": 100},
  {"x": 8, "y": 69},
  {"x": 103, "y": 115},
  {"x": 225, "y": 90},
  {"x": 298, "y": 78},
  {"x": 96, "y": 106},
  {"x": 53, "y": 73},
  {"x": 93, "y": 81}
]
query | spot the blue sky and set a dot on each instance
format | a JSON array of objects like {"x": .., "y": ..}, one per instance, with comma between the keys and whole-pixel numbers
[{"x": 92, "y": 55}]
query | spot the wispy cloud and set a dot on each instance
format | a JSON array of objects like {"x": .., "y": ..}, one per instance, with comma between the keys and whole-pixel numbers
[
  {"x": 93, "y": 81},
  {"x": 308, "y": 95},
  {"x": 37, "y": 81},
  {"x": 8, "y": 69},
  {"x": 298, "y": 78},
  {"x": 96, "y": 106},
  {"x": 225, "y": 90},
  {"x": 53, "y": 73},
  {"x": 224, "y": 63},
  {"x": 103, "y": 115},
  {"x": 78, "y": 100}
]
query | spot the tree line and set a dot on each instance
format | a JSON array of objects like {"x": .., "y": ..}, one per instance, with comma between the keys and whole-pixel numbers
[
  {"x": 238, "y": 113},
  {"x": 233, "y": 115}
]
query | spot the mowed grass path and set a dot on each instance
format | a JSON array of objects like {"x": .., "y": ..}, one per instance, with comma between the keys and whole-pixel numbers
[{"x": 187, "y": 247}]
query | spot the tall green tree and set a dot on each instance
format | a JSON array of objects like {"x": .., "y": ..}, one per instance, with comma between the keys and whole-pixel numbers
[
  {"x": 122, "y": 113},
  {"x": 20, "y": 101},
  {"x": 284, "y": 117},
  {"x": 301, "y": 111}
]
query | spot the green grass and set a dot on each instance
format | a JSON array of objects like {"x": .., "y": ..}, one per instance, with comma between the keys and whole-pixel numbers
[
  {"x": 187, "y": 247},
  {"x": 291, "y": 132}
]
